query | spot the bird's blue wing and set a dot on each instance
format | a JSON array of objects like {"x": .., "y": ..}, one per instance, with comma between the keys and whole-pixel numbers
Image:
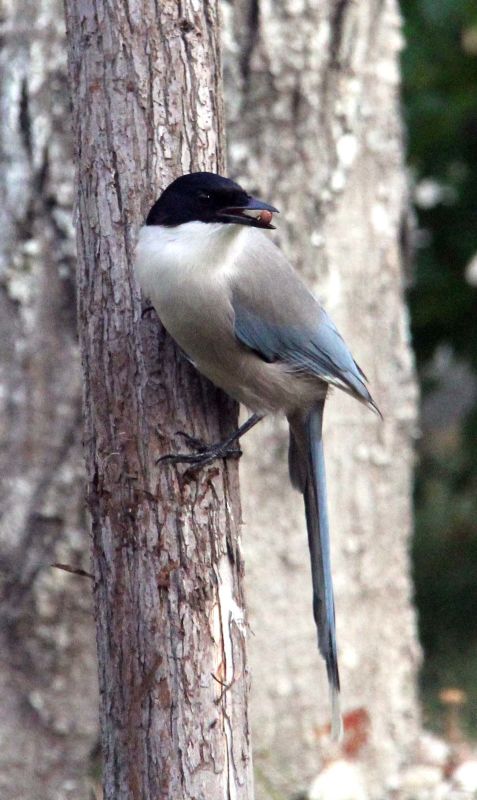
[{"x": 314, "y": 349}]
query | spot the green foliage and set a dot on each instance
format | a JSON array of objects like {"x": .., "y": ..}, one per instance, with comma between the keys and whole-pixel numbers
[
  {"x": 440, "y": 103},
  {"x": 440, "y": 98}
]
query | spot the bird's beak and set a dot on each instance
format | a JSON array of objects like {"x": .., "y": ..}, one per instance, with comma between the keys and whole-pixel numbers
[{"x": 255, "y": 213}]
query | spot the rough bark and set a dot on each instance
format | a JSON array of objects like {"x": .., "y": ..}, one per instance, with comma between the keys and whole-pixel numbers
[
  {"x": 47, "y": 668},
  {"x": 146, "y": 89},
  {"x": 313, "y": 109}
]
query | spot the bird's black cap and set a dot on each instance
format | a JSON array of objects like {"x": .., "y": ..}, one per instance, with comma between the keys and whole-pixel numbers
[{"x": 207, "y": 197}]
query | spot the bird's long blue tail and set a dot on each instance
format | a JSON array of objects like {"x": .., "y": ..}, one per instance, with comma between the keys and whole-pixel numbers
[{"x": 307, "y": 472}]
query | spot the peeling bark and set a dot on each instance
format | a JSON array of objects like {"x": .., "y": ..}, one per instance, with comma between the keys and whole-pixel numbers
[
  {"x": 146, "y": 88},
  {"x": 312, "y": 94}
]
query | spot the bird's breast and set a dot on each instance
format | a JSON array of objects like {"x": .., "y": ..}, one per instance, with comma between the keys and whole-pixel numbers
[{"x": 186, "y": 274}]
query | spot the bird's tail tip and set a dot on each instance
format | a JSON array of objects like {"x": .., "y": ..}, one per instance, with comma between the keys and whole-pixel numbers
[{"x": 336, "y": 716}]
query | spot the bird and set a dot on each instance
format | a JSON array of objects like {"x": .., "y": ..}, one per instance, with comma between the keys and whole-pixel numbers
[{"x": 245, "y": 319}]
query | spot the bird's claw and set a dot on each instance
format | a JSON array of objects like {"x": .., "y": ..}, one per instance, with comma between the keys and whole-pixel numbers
[
  {"x": 205, "y": 455},
  {"x": 193, "y": 442},
  {"x": 146, "y": 310}
]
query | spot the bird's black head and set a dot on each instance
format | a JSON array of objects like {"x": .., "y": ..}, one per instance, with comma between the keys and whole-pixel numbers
[{"x": 206, "y": 197}]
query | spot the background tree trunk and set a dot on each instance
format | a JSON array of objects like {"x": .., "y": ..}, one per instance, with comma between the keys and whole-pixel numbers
[
  {"x": 146, "y": 85},
  {"x": 47, "y": 663},
  {"x": 312, "y": 93}
]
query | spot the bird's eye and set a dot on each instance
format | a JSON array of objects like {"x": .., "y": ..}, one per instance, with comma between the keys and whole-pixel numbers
[{"x": 204, "y": 196}]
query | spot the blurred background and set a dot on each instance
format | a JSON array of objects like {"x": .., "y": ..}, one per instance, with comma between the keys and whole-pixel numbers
[
  {"x": 440, "y": 109},
  {"x": 320, "y": 80}
]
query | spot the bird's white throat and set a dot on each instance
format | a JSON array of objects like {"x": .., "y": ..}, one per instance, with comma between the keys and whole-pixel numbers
[{"x": 189, "y": 250}]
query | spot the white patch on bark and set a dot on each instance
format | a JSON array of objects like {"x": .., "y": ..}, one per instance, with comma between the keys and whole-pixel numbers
[{"x": 226, "y": 613}]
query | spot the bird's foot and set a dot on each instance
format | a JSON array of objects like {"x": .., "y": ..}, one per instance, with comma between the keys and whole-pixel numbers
[{"x": 206, "y": 453}]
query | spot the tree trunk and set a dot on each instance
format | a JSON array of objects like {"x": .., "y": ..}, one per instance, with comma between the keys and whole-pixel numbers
[
  {"x": 146, "y": 89},
  {"x": 312, "y": 93},
  {"x": 47, "y": 664}
]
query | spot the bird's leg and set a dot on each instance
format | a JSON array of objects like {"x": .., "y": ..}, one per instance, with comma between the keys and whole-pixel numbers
[{"x": 208, "y": 453}]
